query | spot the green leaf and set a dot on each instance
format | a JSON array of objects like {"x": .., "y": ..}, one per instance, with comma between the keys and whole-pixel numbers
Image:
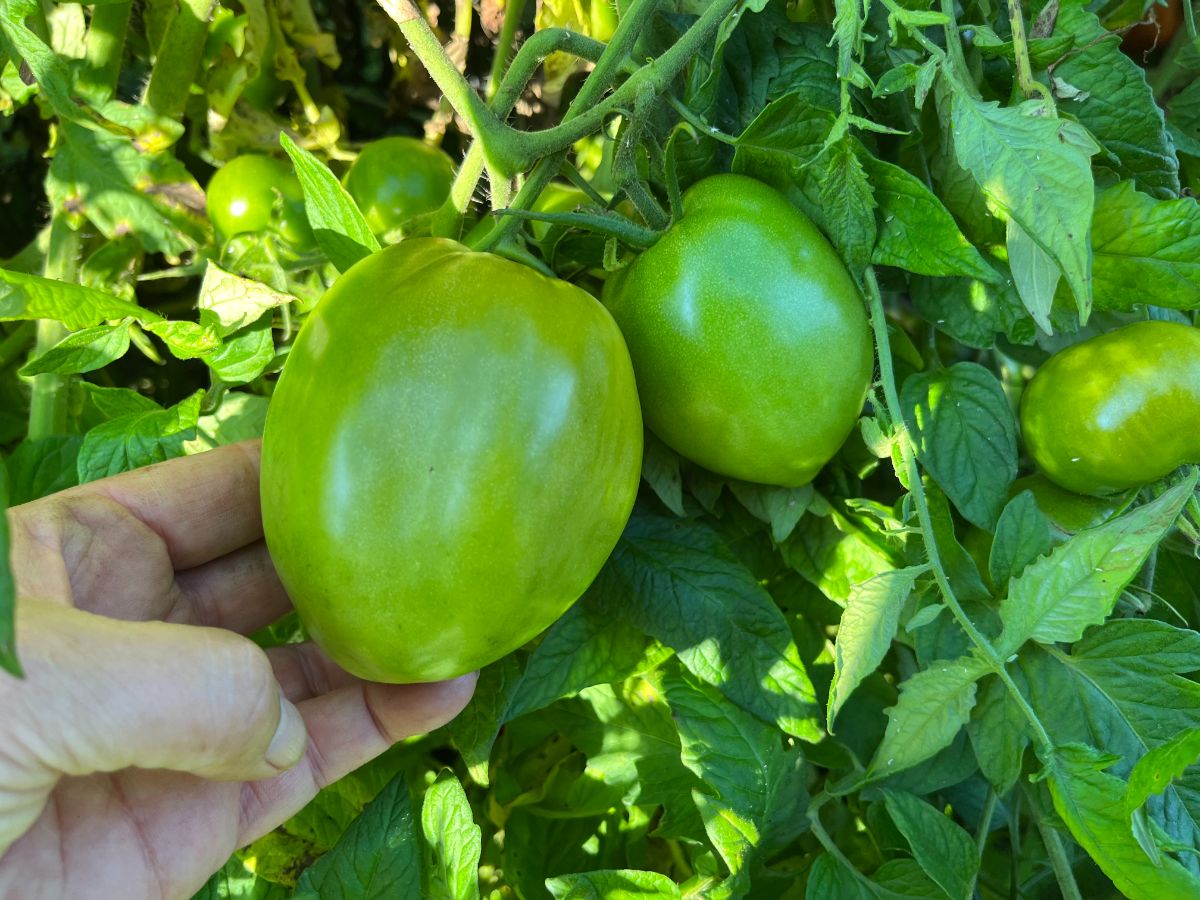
[
  {"x": 1146, "y": 250},
  {"x": 1079, "y": 583},
  {"x": 613, "y": 884},
  {"x": 974, "y": 312},
  {"x": 1155, "y": 771},
  {"x": 340, "y": 229},
  {"x": 240, "y": 417},
  {"x": 753, "y": 787},
  {"x": 828, "y": 879},
  {"x": 8, "y": 589},
  {"x": 847, "y": 203},
  {"x": 475, "y": 729},
  {"x": 234, "y": 881},
  {"x": 454, "y": 838},
  {"x": 51, "y": 70},
  {"x": 784, "y": 139},
  {"x": 138, "y": 439},
  {"x": 1116, "y": 104},
  {"x": 1034, "y": 169},
  {"x": 77, "y": 307},
  {"x": 39, "y": 468},
  {"x": 1034, "y": 273},
  {"x": 632, "y": 744},
  {"x": 934, "y": 705},
  {"x": 999, "y": 734},
  {"x": 245, "y": 355},
  {"x": 916, "y": 232},
  {"x": 905, "y": 878},
  {"x": 230, "y": 303},
  {"x": 122, "y": 189},
  {"x": 807, "y": 65},
  {"x": 966, "y": 436},
  {"x": 1022, "y": 535},
  {"x": 677, "y": 582},
  {"x": 833, "y": 552},
  {"x": 1091, "y": 803},
  {"x": 378, "y": 858},
  {"x": 82, "y": 351},
  {"x": 582, "y": 649},
  {"x": 946, "y": 852},
  {"x": 185, "y": 340},
  {"x": 780, "y": 507},
  {"x": 660, "y": 469},
  {"x": 866, "y": 630},
  {"x": 1102, "y": 688},
  {"x": 110, "y": 403}
]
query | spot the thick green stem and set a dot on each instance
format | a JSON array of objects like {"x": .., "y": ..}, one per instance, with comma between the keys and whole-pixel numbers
[
  {"x": 454, "y": 87},
  {"x": 48, "y": 402},
  {"x": 655, "y": 77},
  {"x": 513, "y": 11},
  {"x": 104, "y": 50},
  {"x": 611, "y": 65},
  {"x": 609, "y": 224},
  {"x": 986, "y": 651},
  {"x": 1029, "y": 87},
  {"x": 508, "y": 150},
  {"x": 531, "y": 55},
  {"x": 178, "y": 58},
  {"x": 1057, "y": 853}
]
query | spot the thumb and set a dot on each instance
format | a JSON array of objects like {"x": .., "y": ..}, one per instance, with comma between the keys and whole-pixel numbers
[{"x": 102, "y": 695}]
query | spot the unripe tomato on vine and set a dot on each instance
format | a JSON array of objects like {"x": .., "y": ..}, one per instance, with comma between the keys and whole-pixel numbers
[
  {"x": 1116, "y": 411},
  {"x": 747, "y": 333}
]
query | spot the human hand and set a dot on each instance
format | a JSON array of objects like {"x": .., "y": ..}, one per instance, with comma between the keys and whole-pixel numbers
[{"x": 149, "y": 739}]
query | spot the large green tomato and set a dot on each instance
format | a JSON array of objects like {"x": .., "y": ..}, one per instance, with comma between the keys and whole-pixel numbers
[
  {"x": 747, "y": 334},
  {"x": 397, "y": 178},
  {"x": 1116, "y": 411},
  {"x": 241, "y": 198},
  {"x": 451, "y": 453}
]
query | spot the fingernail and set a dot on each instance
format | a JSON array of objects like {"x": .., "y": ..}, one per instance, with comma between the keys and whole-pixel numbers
[{"x": 290, "y": 740}]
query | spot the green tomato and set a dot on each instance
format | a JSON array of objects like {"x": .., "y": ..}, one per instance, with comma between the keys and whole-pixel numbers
[
  {"x": 397, "y": 178},
  {"x": 451, "y": 453},
  {"x": 1116, "y": 411},
  {"x": 747, "y": 334},
  {"x": 242, "y": 194}
]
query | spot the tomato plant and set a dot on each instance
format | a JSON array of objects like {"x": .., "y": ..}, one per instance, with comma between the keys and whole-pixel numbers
[
  {"x": 397, "y": 178},
  {"x": 882, "y": 271},
  {"x": 1117, "y": 411},
  {"x": 454, "y": 454},
  {"x": 747, "y": 334}
]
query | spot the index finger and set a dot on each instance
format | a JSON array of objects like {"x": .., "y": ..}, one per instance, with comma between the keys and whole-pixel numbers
[{"x": 202, "y": 506}]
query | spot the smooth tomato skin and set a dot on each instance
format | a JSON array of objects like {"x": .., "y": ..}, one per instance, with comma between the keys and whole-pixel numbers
[
  {"x": 451, "y": 453},
  {"x": 747, "y": 334},
  {"x": 241, "y": 196},
  {"x": 1116, "y": 411},
  {"x": 397, "y": 178}
]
